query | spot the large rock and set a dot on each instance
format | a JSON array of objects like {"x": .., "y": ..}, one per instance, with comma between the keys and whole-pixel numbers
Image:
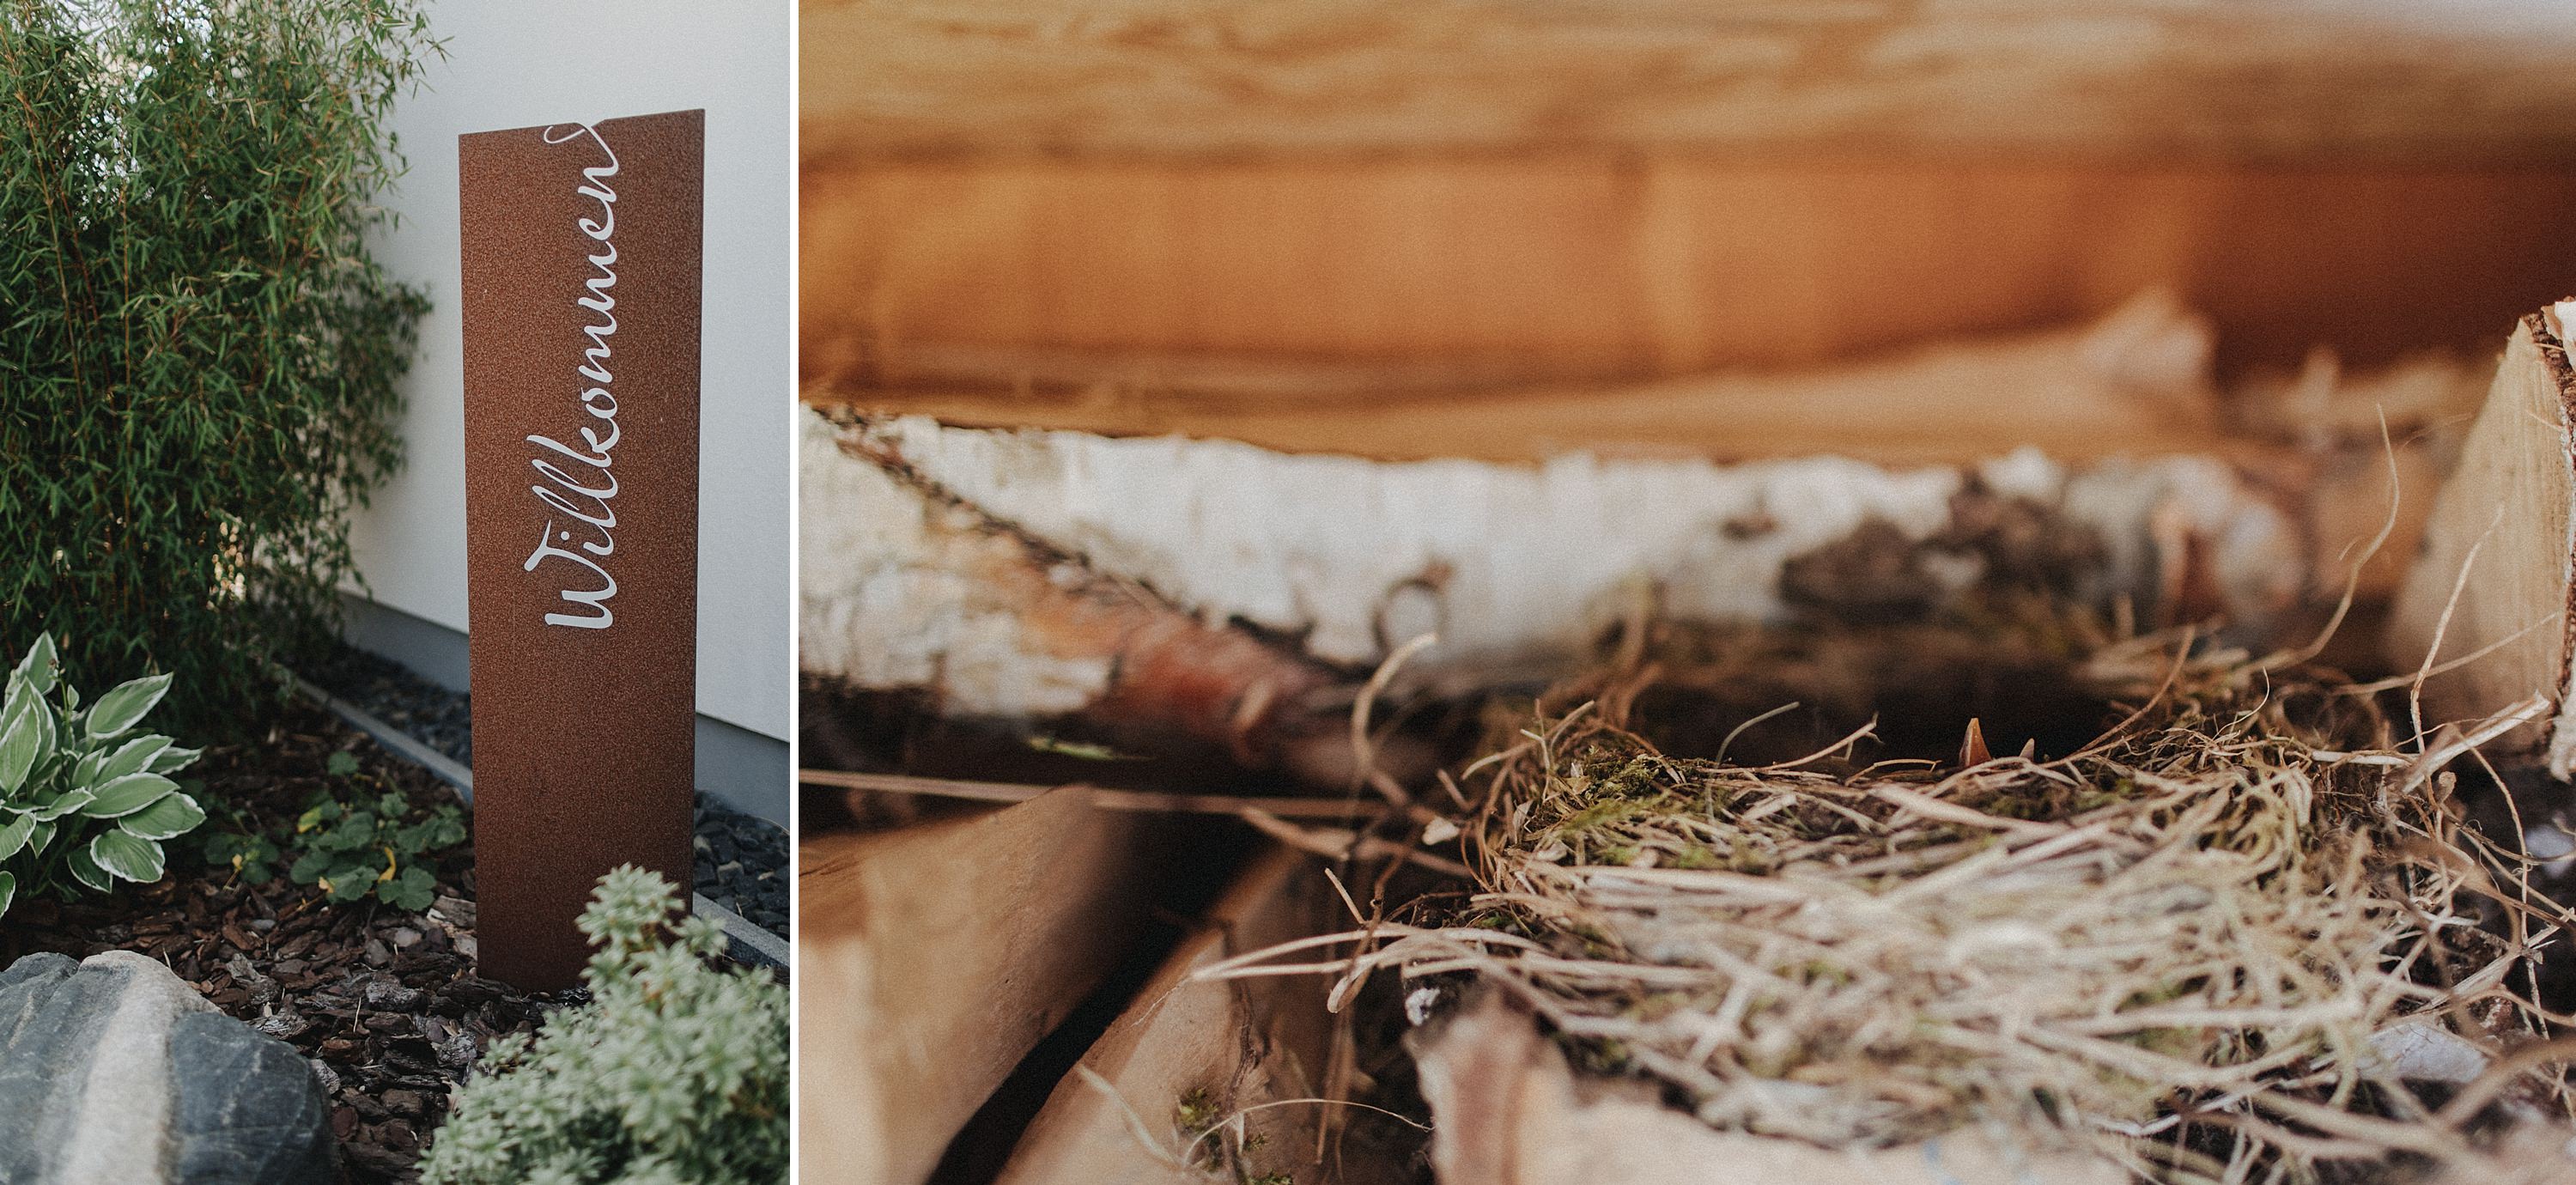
[{"x": 115, "y": 1070}]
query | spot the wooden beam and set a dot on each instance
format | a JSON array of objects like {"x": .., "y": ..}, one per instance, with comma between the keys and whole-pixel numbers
[
  {"x": 2090, "y": 79},
  {"x": 1307, "y": 279}
]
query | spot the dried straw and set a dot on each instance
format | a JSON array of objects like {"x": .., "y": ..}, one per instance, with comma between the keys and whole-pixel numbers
[{"x": 2176, "y": 946}]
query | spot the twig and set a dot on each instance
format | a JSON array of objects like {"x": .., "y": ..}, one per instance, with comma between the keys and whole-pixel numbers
[{"x": 1148, "y": 801}]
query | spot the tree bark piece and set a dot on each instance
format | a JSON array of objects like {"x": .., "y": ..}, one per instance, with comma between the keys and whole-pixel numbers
[{"x": 1209, "y": 584}]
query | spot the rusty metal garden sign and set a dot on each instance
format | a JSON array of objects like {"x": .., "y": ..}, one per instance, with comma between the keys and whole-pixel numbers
[{"x": 581, "y": 298}]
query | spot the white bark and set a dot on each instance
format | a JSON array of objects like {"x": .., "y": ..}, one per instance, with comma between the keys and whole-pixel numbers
[{"x": 1505, "y": 561}]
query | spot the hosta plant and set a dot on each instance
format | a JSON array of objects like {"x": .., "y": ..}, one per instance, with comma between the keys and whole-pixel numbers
[
  {"x": 674, "y": 1074},
  {"x": 85, "y": 799}
]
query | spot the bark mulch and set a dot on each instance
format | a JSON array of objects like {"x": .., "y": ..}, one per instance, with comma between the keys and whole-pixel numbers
[{"x": 384, "y": 1002}]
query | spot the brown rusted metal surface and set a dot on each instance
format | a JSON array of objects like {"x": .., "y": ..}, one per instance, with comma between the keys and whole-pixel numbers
[{"x": 581, "y": 267}]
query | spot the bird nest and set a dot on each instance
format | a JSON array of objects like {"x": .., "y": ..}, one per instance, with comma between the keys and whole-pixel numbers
[{"x": 2215, "y": 942}]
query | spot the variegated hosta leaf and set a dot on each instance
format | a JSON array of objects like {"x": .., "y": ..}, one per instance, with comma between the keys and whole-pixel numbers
[
  {"x": 173, "y": 759},
  {"x": 26, "y": 740},
  {"x": 123, "y": 708},
  {"x": 56, "y": 762},
  {"x": 85, "y": 870},
  {"x": 132, "y": 757},
  {"x": 36, "y": 671},
  {"x": 175, "y": 815},
  {"x": 71, "y": 800},
  {"x": 126, "y": 857},
  {"x": 128, "y": 794}
]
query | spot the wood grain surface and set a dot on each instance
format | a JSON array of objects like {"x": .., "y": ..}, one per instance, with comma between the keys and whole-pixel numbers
[
  {"x": 2095, "y": 79},
  {"x": 1270, "y": 283},
  {"x": 2492, "y": 587},
  {"x": 931, "y": 959}
]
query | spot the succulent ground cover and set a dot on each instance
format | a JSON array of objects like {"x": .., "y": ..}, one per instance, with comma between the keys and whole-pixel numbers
[{"x": 675, "y": 1072}]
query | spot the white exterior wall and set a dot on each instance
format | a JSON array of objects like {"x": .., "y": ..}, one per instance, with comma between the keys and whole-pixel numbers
[{"x": 515, "y": 64}]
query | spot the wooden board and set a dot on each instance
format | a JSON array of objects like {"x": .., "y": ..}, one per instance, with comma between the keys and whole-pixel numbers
[
  {"x": 1287, "y": 288},
  {"x": 930, "y": 960},
  {"x": 2295, "y": 79},
  {"x": 2134, "y": 384},
  {"x": 1228, "y": 1044},
  {"x": 2493, "y": 582}
]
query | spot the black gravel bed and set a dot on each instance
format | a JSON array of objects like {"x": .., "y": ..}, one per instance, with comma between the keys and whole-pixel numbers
[
  {"x": 742, "y": 862},
  {"x": 389, "y": 691},
  {"x": 741, "y": 859}
]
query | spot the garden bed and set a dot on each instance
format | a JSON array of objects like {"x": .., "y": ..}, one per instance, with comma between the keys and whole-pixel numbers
[
  {"x": 383, "y": 1001},
  {"x": 741, "y": 859}
]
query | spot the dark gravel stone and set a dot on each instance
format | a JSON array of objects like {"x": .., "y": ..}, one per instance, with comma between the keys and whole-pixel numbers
[
  {"x": 742, "y": 864},
  {"x": 389, "y": 691}
]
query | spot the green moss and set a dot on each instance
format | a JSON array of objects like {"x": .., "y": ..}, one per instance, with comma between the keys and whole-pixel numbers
[
  {"x": 1697, "y": 856},
  {"x": 1599, "y": 1055},
  {"x": 1196, "y": 1113}
]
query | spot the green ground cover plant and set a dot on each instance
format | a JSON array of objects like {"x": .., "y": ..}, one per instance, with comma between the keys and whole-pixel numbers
[
  {"x": 197, "y": 351},
  {"x": 352, "y": 842},
  {"x": 674, "y": 1074},
  {"x": 375, "y": 845}
]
